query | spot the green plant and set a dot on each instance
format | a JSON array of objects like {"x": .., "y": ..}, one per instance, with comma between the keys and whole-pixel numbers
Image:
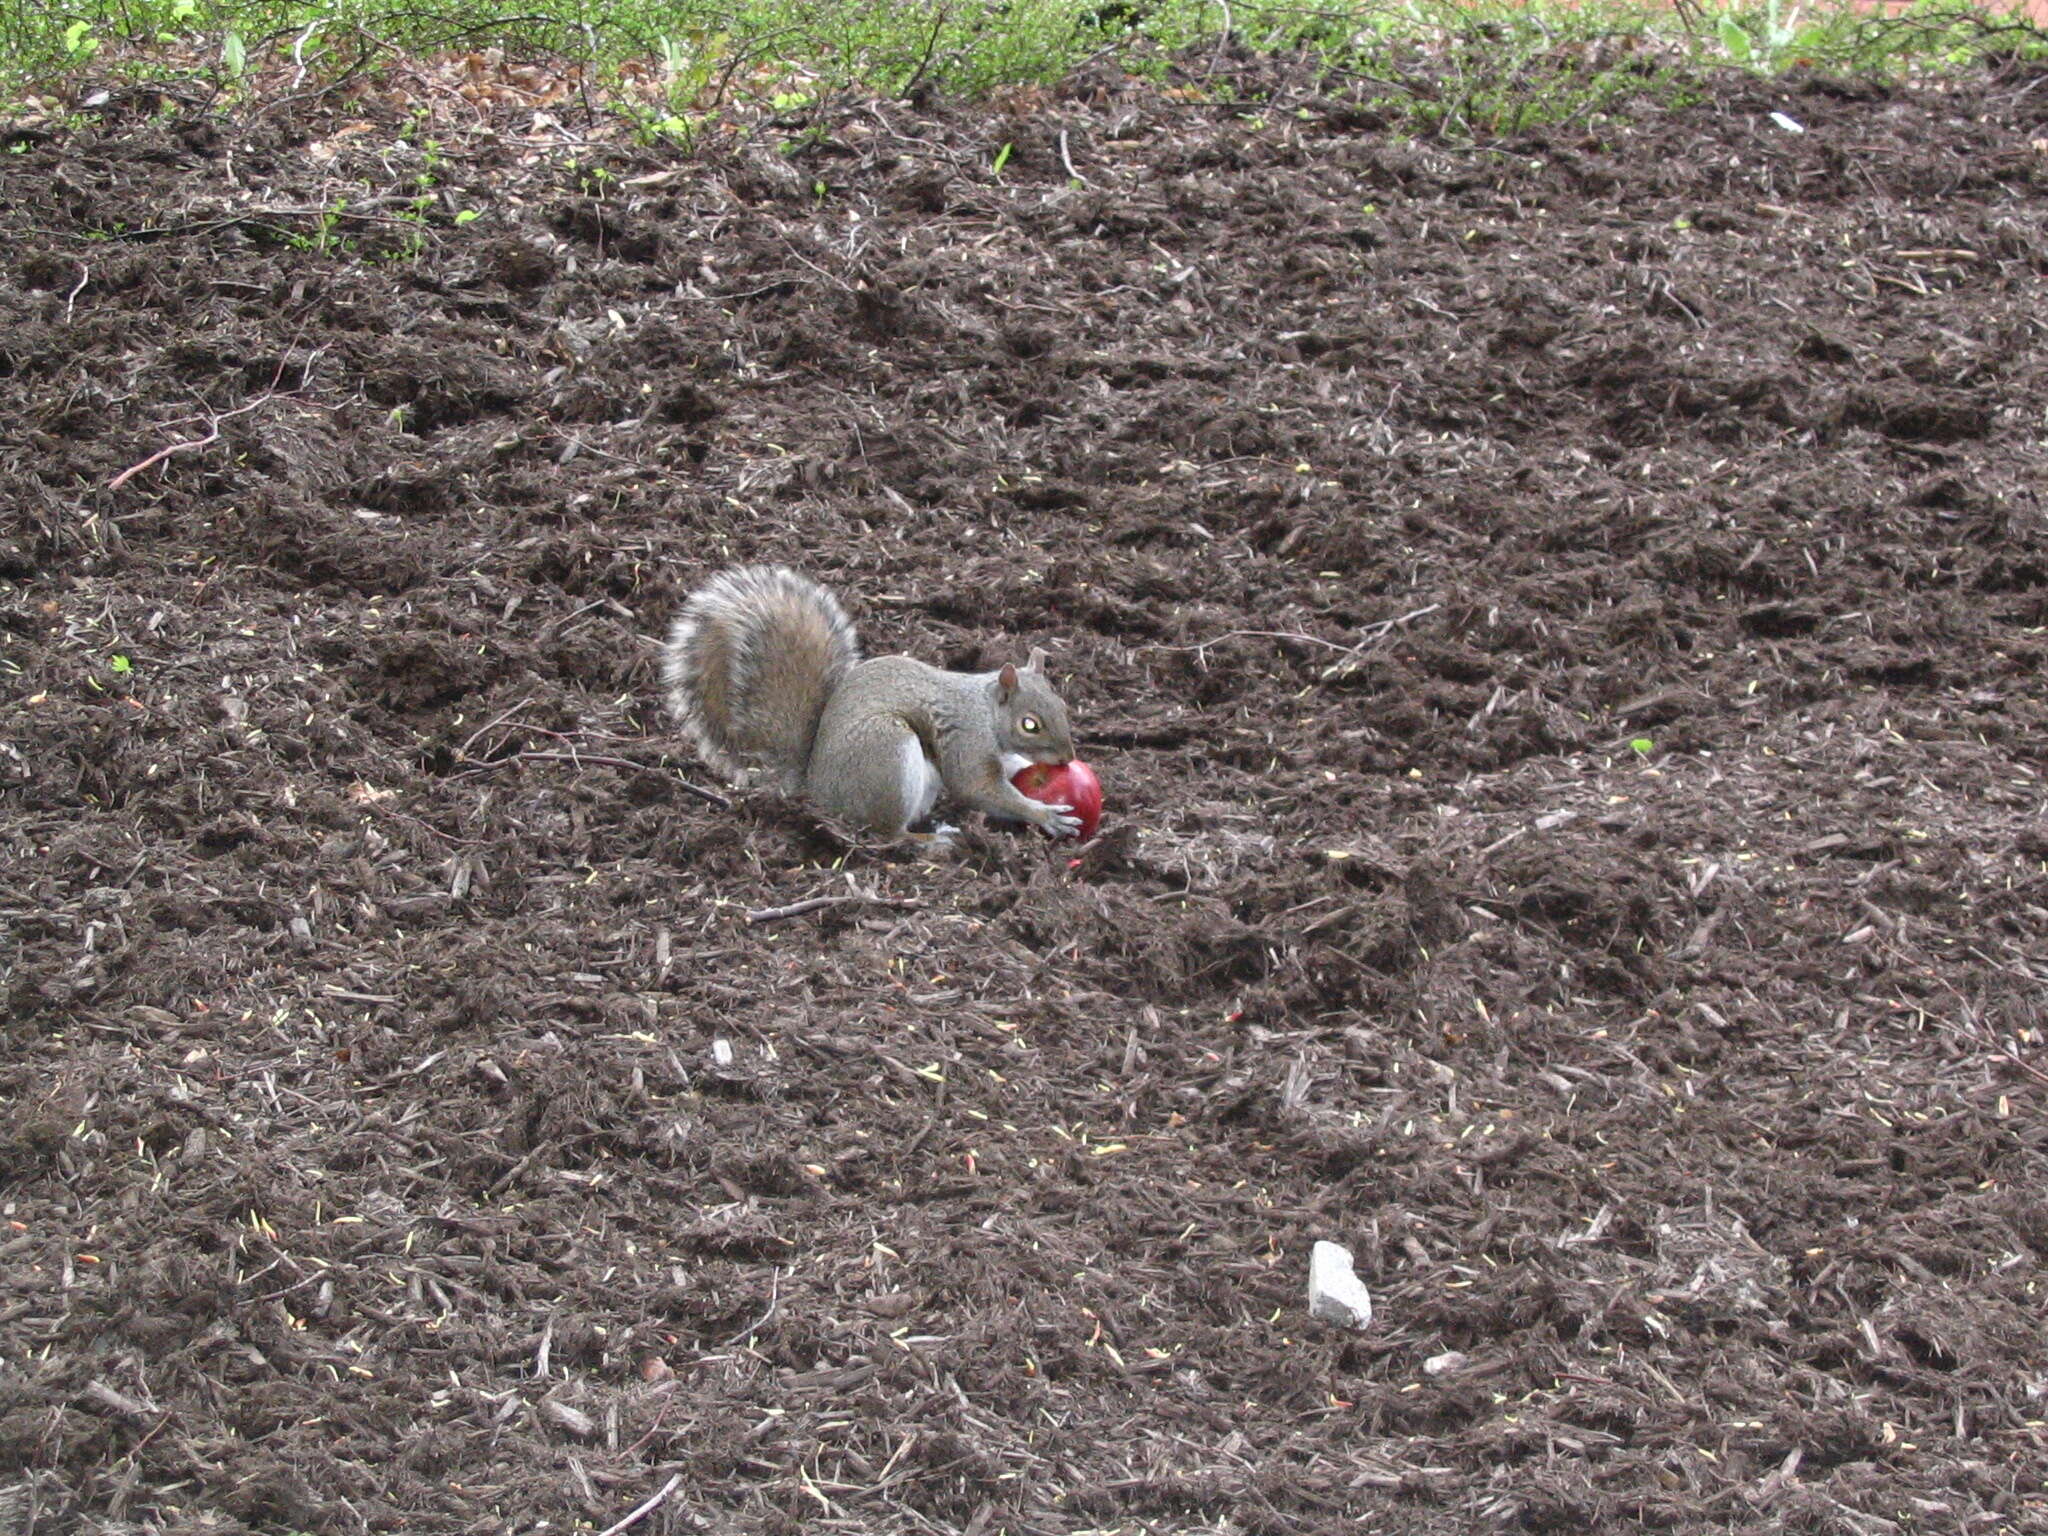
[
  {"x": 1448, "y": 68},
  {"x": 324, "y": 239},
  {"x": 654, "y": 128},
  {"x": 1769, "y": 39},
  {"x": 689, "y": 64},
  {"x": 181, "y": 17}
]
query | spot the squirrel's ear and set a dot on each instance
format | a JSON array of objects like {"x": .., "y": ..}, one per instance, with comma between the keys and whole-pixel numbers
[
  {"x": 1006, "y": 680},
  {"x": 1037, "y": 661}
]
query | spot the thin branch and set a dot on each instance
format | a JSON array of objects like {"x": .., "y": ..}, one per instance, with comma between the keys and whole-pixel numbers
[
  {"x": 213, "y": 433},
  {"x": 931, "y": 45},
  {"x": 774, "y": 1301},
  {"x": 1222, "y": 38},
  {"x": 490, "y": 725},
  {"x": 299, "y": 52},
  {"x": 708, "y": 796},
  {"x": 1068, "y": 160},
  {"x": 164, "y": 453},
  {"x": 653, "y": 1503},
  {"x": 2027, "y": 1067},
  {"x": 1346, "y": 664},
  {"x": 819, "y": 903}
]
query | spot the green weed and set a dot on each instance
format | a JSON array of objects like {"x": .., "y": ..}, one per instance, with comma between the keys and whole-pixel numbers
[{"x": 1450, "y": 68}]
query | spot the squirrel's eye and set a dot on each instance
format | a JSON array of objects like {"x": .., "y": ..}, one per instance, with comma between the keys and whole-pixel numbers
[{"x": 1028, "y": 725}]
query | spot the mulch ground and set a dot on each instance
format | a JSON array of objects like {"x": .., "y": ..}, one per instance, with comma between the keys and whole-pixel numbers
[{"x": 1561, "y": 629}]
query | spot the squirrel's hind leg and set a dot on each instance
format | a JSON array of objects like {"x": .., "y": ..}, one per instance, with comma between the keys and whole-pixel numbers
[
  {"x": 881, "y": 780},
  {"x": 921, "y": 782},
  {"x": 941, "y": 837}
]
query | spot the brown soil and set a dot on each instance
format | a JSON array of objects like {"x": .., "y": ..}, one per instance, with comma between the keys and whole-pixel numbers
[{"x": 369, "y": 1165}]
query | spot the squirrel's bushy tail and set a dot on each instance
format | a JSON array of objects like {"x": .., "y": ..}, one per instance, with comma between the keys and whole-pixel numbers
[{"x": 751, "y": 660}]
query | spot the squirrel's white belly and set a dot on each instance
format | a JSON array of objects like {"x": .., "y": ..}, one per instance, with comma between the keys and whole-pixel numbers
[{"x": 920, "y": 781}]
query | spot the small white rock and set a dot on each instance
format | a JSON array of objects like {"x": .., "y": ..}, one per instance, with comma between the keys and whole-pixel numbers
[
  {"x": 1442, "y": 1365},
  {"x": 1788, "y": 124},
  {"x": 721, "y": 1054},
  {"x": 1335, "y": 1293}
]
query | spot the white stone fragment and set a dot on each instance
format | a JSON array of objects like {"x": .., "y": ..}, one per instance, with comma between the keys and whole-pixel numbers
[
  {"x": 1335, "y": 1293},
  {"x": 1442, "y": 1365},
  {"x": 1788, "y": 124},
  {"x": 721, "y": 1054}
]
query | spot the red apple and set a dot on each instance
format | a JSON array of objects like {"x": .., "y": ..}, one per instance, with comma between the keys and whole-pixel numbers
[{"x": 1071, "y": 784}]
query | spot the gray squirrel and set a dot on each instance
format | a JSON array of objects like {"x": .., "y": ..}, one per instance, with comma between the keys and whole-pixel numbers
[{"x": 763, "y": 667}]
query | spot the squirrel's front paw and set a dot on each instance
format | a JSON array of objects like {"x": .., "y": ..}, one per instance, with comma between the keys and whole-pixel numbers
[{"x": 1060, "y": 821}]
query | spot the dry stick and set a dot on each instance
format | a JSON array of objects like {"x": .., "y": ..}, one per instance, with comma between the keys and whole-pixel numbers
[
  {"x": 136, "y": 1449},
  {"x": 120, "y": 1402},
  {"x": 930, "y": 46},
  {"x": 504, "y": 1179},
  {"x": 299, "y": 53},
  {"x": 491, "y": 724},
  {"x": 1373, "y": 633},
  {"x": 1222, "y": 39},
  {"x": 798, "y": 908},
  {"x": 540, "y": 1356},
  {"x": 828, "y": 276},
  {"x": 164, "y": 453},
  {"x": 255, "y": 215},
  {"x": 774, "y": 1301},
  {"x": 819, "y": 903},
  {"x": 1068, "y": 160},
  {"x": 213, "y": 436},
  {"x": 577, "y": 446},
  {"x": 1254, "y": 634},
  {"x": 708, "y": 796},
  {"x": 653, "y": 1503},
  {"x": 2027, "y": 1067}
]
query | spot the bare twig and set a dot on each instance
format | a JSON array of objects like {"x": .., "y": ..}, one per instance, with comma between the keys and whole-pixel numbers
[
  {"x": 572, "y": 445},
  {"x": 489, "y": 725},
  {"x": 299, "y": 53},
  {"x": 930, "y": 47},
  {"x": 259, "y": 216},
  {"x": 504, "y": 1179},
  {"x": 540, "y": 1355},
  {"x": 1068, "y": 160},
  {"x": 213, "y": 432},
  {"x": 599, "y": 759},
  {"x": 164, "y": 453},
  {"x": 774, "y": 1301},
  {"x": 2027, "y": 1067},
  {"x": 798, "y": 908},
  {"x": 830, "y": 277},
  {"x": 1372, "y": 634},
  {"x": 654, "y": 1502},
  {"x": 71, "y": 298},
  {"x": 1222, "y": 38},
  {"x": 120, "y": 1402},
  {"x": 1295, "y": 635},
  {"x": 819, "y": 903}
]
